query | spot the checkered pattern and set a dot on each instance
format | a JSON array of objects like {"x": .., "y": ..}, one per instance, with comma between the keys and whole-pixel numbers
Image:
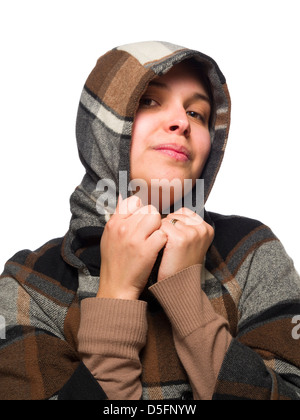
[{"x": 248, "y": 278}]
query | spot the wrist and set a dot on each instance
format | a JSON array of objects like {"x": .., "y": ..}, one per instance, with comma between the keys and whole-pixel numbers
[{"x": 109, "y": 293}]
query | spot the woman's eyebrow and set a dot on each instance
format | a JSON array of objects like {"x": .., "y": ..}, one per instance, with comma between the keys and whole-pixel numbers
[
  {"x": 196, "y": 96},
  {"x": 200, "y": 97},
  {"x": 159, "y": 84}
]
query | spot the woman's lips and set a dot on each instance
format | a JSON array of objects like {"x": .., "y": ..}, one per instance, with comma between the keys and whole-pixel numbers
[{"x": 175, "y": 151}]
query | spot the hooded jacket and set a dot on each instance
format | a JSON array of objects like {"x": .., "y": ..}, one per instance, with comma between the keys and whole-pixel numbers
[{"x": 249, "y": 279}]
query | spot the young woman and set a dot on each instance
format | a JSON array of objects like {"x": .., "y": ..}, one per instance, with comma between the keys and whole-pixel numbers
[{"x": 136, "y": 301}]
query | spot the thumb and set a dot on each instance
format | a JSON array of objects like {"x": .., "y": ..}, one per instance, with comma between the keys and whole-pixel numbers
[
  {"x": 120, "y": 201},
  {"x": 157, "y": 240}
]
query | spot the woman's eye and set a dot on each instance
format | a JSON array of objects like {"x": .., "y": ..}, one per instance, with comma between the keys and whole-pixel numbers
[
  {"x": 196, "y": 115},
  {"x": 147, "y": 102}
]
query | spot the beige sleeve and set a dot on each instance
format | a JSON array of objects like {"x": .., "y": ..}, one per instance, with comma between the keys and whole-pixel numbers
[
  {"x": 201, "y": 336},
  {"x": 111, "y": 334}
]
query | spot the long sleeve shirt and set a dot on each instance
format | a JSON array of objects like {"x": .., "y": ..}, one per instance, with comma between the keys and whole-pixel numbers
[{"x": 113, "y": 332}]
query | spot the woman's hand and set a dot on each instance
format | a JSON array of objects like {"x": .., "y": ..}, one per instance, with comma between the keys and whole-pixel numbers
[
  {"x": 187, "y": 244},
  {"x": 130, "y": 245}
]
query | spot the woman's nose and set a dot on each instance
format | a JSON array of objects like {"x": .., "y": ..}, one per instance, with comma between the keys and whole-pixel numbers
[{"x": 179, "y": 124}]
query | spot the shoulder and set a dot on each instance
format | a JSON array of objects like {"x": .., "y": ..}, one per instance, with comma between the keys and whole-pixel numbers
[
  {"x": 237, "y": 232},
  {"x": 42, "y": 266}
]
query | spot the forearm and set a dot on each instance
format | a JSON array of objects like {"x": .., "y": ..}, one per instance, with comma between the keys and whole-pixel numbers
[
  {"x": 112, "y": 332},
  {"x": 201, "y": 336}
]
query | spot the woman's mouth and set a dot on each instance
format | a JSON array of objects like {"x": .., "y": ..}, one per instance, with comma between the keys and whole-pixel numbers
[{"x": 174, "y": 151}]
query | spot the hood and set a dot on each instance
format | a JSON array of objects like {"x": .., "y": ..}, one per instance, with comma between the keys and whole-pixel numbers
[{"x": 105, "y": 119}]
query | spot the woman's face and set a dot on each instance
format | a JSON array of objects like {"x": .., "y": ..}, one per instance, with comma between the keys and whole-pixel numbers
[{"x": 171, "y": 136}]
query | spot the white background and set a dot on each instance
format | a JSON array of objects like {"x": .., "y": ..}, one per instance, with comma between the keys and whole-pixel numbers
[{"x": 48, "y": 49}]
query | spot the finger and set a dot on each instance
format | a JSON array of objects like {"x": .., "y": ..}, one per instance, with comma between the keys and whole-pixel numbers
[
  {"x": 120, "y": 200},
  {"x": 171, "y": 228},
  {"x": 147, "y": 210},
  {"x": 149, "y": 220},
  {"x": 185, "y": 224},
  {"x": 127, "y": 207},
  {"x": 157, "y": 240},
  {"x": 184, "y": 210},
  {"x": 182, "y": 225},
  {"x": 188, "y": 212},
  {"x": 194, "y": 219}
]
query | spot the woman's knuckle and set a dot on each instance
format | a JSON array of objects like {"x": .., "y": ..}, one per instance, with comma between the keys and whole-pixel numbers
[{"x": 122, "y": 229}]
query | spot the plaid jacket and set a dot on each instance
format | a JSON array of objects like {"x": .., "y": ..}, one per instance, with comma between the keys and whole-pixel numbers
[{"x": 249, "y": 278}]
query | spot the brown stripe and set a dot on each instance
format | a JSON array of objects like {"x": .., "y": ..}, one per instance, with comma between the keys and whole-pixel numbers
[
  {"x": 170, "y": 367},
  {"x": 220, "y": 265},
  {"x": 160, "y": 361},
  {"x": 232, "y": 314},
  {"x": 125, "y": 82},
  {"x": 223, "y": 266},
  {"x": 71, "y": 324},
  {"x": 33, "y": 372},
  {"x": 14, "y": 384},
  {"x": 23, "y": 307},
  {"x": 150, "y": 373},
  {"x": 222, "y": 119},
  {"x": 242, "y": 390},
  {"x": 104, "y": 71},
  {"x": 115, "y": 78},
  {"x": 226, "y": 91},
  {"x": 278, "y": 336},
  {"x": 57, "y": 361},
  {"x": 138, "y": 91},
  {"x": 219, "y": 307},
  {"x": 24, "y": 272},
  {"x": 275, "y": 391},
  {"x": 213, "y": 177}
]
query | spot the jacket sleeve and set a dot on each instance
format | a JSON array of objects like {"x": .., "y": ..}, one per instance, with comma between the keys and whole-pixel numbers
[
  {"x": 111, "y": 335},
  {"x": 201, "y": 336},
  {"x": 263, "y": 360},
  {"x": 38, "y": 354}
]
